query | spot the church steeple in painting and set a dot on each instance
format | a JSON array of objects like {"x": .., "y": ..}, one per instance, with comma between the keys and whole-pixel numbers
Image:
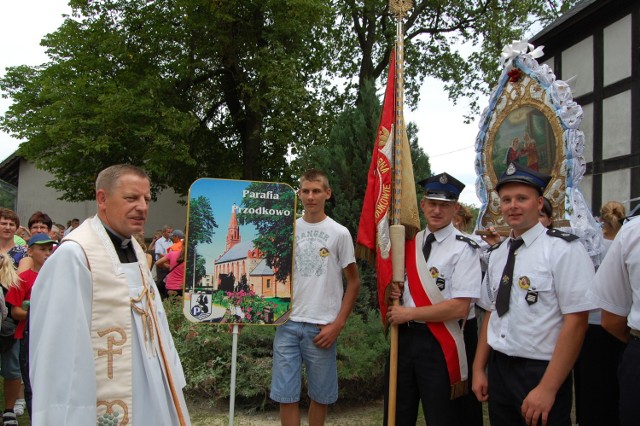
[{"x": 233, "y": 231}]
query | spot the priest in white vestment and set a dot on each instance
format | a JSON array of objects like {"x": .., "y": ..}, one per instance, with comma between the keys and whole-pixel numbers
[{"x": 100, "y": 347}]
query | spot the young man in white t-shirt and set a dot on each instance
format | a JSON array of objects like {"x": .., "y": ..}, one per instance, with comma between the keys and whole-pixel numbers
[{"x": 320, "y": 307}]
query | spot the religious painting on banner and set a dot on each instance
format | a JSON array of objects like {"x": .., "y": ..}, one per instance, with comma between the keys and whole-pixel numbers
[
  {"x": 533, "y": 120},
  {"x": 239, "y": 258}
]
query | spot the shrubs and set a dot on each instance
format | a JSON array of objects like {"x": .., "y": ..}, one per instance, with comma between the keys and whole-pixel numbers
[{"x": 205, "y": 352}]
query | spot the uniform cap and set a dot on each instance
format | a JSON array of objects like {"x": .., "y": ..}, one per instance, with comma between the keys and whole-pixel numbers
[
  {"x": 518, "y": 173},
  {"x": 443, "y": 187}
]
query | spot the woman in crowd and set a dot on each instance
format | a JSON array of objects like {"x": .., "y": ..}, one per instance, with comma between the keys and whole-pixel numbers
[{"x": 175, "y": 277}]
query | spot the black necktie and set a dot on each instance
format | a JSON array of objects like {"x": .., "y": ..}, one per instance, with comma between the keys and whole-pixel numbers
[
  {"x": 504, "y": 291},
  {"x": 426, "y": 250}
]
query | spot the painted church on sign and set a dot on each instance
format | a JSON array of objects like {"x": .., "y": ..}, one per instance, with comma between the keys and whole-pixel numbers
[{"x": 244, "y": 267}]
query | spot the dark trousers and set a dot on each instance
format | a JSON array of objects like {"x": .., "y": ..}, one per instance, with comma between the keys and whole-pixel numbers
[
  {"x": 596, "y": 379},
  {"x": 468, "y": 408},
  {"x": 510, "y": 381},
  {"x": 24, "y": 370},
  {"x": 629, "y": 378},
  {"x": 161, "y": 273},
  {"x": 422, "y": 376}
]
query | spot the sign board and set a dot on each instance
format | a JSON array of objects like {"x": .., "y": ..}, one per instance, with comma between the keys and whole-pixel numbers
[{"x": 239, "y": 258}]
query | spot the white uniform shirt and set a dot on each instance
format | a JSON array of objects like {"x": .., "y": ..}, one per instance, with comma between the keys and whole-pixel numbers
[
  {"x": 552, "y": 273},
  {"x": 616, "y": 287},
  {"x": 453, "y": 264}
]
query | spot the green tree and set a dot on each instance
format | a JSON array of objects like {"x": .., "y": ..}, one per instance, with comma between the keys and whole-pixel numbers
[
  {"x": 434, "y": 31},
  {"x": 202, "y": 224},
  {"x": 192, "y": 88},
  {"x": 183, "y": 88},
  {"x": 275, "y": 237}
]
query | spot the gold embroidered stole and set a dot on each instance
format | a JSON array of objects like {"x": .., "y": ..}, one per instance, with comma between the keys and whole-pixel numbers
[
  {"x": 112, "y": 328},
  {"x": 111, "y": 325}
]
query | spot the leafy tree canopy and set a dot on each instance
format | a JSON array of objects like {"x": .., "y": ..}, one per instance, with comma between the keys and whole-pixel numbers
[
  {"x": 183, "y": 88},
  {"x": 234, "y": 88},
  {"x": 434, "y": 30}
]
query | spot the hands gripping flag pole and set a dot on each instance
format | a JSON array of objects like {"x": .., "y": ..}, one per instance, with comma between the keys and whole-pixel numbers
[{"x": 390, "y": 207}]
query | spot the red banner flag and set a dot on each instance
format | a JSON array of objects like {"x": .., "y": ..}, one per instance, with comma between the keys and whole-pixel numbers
[{"x": 373, "y": 241}]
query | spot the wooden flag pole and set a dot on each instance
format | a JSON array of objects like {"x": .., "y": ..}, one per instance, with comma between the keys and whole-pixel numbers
[{"x": 399, "y": 8}]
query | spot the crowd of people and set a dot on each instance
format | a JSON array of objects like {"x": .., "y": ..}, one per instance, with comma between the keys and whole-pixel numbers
[{"x": 521, "y": 323}]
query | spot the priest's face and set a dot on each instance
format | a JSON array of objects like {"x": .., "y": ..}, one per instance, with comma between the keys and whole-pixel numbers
[{"x": 124, "y": 207}]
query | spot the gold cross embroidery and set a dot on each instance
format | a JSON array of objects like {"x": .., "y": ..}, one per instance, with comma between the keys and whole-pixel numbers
[{"x": 111, "y": 342}]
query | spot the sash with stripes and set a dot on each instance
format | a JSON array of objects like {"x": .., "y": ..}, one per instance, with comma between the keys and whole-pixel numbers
[{"x": 425, "y": 292}]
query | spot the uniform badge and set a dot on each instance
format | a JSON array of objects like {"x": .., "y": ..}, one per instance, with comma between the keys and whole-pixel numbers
[
  {"x": 434, "y": 272},
  {"x": 524, "y": 283},
  {"x": 531, "y": 297},
  {"x": 324, "y": 252},
  {"x": 440, "y": 283},
  {"x": 511, "y": 169},
  {"x": 443, "y": 179},
  {"x": 505, "y": 279}
]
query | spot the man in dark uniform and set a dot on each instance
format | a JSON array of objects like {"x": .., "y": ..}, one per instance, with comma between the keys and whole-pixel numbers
[
  {"x": 442, "y": 279},
  {"x": 536, "y": 317}
]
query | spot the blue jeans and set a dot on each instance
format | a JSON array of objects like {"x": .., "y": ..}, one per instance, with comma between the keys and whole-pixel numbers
[{"x": 292, "y": 347}]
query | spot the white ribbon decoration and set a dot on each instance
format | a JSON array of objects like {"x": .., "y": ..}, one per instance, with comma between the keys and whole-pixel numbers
[{"x": 519, "y": 47}]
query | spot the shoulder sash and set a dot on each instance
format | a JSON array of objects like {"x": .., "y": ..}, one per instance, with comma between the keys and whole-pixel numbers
[{"x": 425, "y": 292}]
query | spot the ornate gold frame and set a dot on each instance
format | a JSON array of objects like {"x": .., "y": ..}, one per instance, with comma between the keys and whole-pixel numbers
[{"x": 525, "y": 92}]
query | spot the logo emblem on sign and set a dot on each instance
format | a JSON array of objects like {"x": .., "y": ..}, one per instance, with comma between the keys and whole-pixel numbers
[{"x": 200, "y": 305}]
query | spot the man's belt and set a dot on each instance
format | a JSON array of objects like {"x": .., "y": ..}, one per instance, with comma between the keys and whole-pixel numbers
[{"x": 635, "y": 334}]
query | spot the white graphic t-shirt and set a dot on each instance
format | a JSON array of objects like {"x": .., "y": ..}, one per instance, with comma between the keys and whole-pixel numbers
[{"x": 323, "y": 250}]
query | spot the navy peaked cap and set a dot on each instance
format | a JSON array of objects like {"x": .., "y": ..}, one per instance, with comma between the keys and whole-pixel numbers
[
  {"x": 442, "y": 187},
  {"x": 518, "y": 173}
]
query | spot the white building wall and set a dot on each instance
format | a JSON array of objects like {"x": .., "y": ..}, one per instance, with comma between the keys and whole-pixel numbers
[
  {"x": 616, "y": 125},
  {"x": 34, "y": 195},
  {"x": 617, "y": 50},
  {"x": 615, "y": 186},
  {"x": 587, "y": 128},
  {"x": 577, "y": 61}
]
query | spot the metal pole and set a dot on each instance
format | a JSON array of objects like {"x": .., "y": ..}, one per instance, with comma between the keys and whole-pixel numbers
[{"x": 234, "y": 357}]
